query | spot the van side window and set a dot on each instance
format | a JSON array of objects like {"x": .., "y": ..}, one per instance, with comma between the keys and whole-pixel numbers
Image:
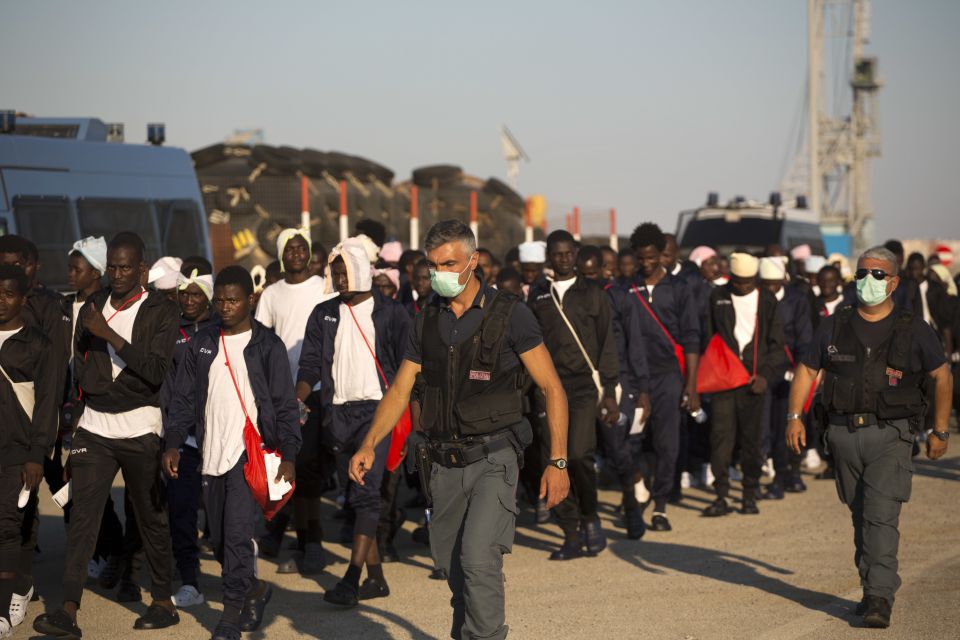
[
  {"x": 180, "y": 232},
  {"x": 108, "y": 216},
  {"x": 47, "y": 222}
]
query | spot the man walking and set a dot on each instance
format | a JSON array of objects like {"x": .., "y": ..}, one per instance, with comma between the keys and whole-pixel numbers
[
  {"x": 875, "y": 358},
  {"x": 470, "y": 343}
]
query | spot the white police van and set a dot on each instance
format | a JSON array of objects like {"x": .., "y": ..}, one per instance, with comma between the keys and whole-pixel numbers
[
  {"x": 62, "y": 179},
  {"x": 746, "y": 225}
]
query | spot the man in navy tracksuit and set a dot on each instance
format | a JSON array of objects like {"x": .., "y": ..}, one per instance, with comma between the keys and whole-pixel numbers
[
  {"x": 625, "y": 313},
  {"x": 668, "y": 317},
  {"x": 340, "y": 335},
  {"x": 236, "y": 371},
  {"x": 183, "y": 492},
  {"x": 794, "y": 311}
]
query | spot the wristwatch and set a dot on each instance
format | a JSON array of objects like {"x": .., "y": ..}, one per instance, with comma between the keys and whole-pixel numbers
[
  {"x": 559, "y": 463},
  {"x": 942, "y": 435},
  {"x": 794, "y": 416}
]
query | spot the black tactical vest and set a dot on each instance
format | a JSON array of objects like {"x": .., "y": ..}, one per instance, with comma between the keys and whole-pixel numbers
[
  {"x": 880, "y": 382},
  {"x": 466, "y": 393}
]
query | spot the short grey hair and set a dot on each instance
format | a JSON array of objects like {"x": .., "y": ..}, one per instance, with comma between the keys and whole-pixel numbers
[
  {"x": 447, "y": 231},
  {"x": 884, "y": 254}
]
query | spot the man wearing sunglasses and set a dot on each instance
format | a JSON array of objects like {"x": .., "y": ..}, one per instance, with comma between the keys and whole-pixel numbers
[{"x": 875, "y": 359}]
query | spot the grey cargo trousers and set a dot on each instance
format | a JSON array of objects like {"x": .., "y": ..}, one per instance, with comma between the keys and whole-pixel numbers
[
  {"x": 874, "y": 476},
  {"x": 472, "y": 526}
]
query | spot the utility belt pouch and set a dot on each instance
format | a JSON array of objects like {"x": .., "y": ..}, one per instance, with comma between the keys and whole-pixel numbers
[{"x": 423, "y": 468}]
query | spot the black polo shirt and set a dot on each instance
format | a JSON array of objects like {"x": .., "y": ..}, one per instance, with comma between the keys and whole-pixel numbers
[{"x": 523, "y": 333}]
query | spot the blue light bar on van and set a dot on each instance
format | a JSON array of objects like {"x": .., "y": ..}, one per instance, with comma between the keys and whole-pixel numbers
[
  {"x": 156, "y": 133},
  {"x": 8, "y": 121}
]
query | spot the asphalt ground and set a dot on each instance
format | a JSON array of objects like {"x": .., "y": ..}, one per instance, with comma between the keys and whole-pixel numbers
[{"x": 786, "y": 574}]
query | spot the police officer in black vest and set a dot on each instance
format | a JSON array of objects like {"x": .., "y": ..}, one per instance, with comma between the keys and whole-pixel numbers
[
  {"x": 471, "y": 344},
  {"x": 875, "y": 358}
]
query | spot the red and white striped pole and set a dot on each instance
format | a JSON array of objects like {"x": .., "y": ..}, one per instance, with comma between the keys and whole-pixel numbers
[
  {"x": 614, "y": 240},
  {"x": 414, "y": 217},
  {"x": 576, "y": 223},
  {"x": 474, "y": 225},
  {"x": 344, "y": 224},
  {"x": 527, "y": 223},
  {"x": 304, "y": 205}
]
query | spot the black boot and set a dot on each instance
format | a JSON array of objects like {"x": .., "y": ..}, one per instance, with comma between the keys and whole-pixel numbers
[{"x": 877, "y": 612}]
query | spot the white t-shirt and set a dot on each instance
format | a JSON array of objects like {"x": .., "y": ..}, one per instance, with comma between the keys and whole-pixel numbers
[
  {"x": 77, "y": 305},
  {"x": 745, "y": 310},
  {"x": 562, "y": 286},
  {"x": 126, "y": 424},
  {"x": 355, "y": 372},
  {"x": 927, "y": 317},
  {"x": 781, "y": 292},
  {"x": 223, "y": 434},
  {"x": 286, "y": 308},
  {"x": 832, "y": 306}
]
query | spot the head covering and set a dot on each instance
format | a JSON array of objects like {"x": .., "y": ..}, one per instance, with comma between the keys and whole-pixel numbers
[
  {"x": 94, "y": 251},
  {"x": 204, "y": 282},
  {"x": 393, "y": 274},
  {"x": 391, "y": 251},
  {"x": 701, "y": 253},
  {"x": 368, "y": 245},
  {"x": 944, "y": 274},
  {"x": 743, "y": 265},
  {"x": 842, "y": 263},
  {"x": 801, "y": 252},
  {"x": 535, "y": 251},
  {"x": 773, "y": 268},
  {"x": 165, "y": 273},
  {"x": 356, "y": 259},
  {"x": 285, "y": 236},
  {"x": 813, "y": 264}
]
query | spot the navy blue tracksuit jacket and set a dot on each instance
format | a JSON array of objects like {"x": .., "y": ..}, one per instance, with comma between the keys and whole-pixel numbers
[
  {"x": 628, "y": 331},
  {"x": 268, "y": 369},
  {"x": 794, "y": 311},
  {"x": 677, "y": 311}
]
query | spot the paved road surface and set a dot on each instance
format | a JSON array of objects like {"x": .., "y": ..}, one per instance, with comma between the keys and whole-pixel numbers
[{"x": 787, "y": 573}]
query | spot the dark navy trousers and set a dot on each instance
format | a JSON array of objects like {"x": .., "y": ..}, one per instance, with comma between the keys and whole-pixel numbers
[
  {"x": 233, "y": 516},
  {"x": 183, "y": 502},
  {"x": 662, "y": 434},
  {"x": 349, "y": 425}
]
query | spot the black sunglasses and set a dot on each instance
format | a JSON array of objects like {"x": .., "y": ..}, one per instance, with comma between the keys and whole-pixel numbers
[{"x": 879, "y": 274}]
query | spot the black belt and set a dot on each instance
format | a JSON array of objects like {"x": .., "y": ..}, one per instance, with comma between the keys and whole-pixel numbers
[
  {"x": 448, "y": 454},
  {"x": 853, "y": 420}
]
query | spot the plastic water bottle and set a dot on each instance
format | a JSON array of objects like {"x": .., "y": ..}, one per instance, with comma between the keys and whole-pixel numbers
[{"x": 699, "y": 416}]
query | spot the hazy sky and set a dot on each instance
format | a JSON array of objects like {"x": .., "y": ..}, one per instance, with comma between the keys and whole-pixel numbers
[{"x": 643, "y": 106}]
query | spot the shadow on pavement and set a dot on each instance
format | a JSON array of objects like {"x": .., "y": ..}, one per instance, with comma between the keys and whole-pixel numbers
[
  {"x": 657, "y": 557},
  {"x": 940, "y": 469}
]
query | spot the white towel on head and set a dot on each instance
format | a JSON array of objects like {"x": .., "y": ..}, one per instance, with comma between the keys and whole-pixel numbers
[
  {"x": 204, "y": 282},
  {"x": 813, "y": 264},
  {"x": 773, "y": 268},
  {"x": 355, "y": 258},
  {"x": 165, "y": 273},
  {"x": 369, "y": 247},
  {"x": 94, "y": 251},
  {"x": 533, "y": 252},
  {"x": 743, "y": 265},
  {"x": 285, "y": 236}
]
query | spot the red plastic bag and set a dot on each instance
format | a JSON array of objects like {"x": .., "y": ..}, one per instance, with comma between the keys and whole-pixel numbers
[
  {"x": 255, "y": 473},
  {"x": 399, "y": 440},
  {"x": 720, "y": 369}
]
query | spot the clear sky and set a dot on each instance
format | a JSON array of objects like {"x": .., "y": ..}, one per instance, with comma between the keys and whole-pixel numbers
[{"x": 639, "y": 105}]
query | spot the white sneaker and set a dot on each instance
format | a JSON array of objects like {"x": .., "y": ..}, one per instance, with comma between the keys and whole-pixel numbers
[
  {"x": 640, "y": 492},
  {"x": 708, "y": 477},
  {"x": 18, "y": 607},
  {"x": 95, "y": 568},
  {"x": 5, "y": 629},
  {"x": 187, "y": 596},
  {"x": 767, "y": 470},
  {"x": 734, "y": 474},
  {"x": 811, "y": 460},
  {"x": 686, "y": 480}
]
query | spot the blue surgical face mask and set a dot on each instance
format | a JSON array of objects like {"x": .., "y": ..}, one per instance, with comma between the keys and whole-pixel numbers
[
  {"x": 870, "y": 291},
  {"x": 447, "y": 283}
]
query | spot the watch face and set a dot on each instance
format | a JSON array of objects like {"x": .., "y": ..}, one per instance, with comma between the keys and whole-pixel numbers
[{"x": 560, "y": 464}]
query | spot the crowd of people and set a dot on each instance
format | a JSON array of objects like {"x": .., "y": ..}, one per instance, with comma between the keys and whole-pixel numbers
[{"x": 244, "y": 397}]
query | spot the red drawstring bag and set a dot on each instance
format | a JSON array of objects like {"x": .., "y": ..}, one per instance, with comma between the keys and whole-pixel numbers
[
  {"x": 720, "y": 368},
  {"x": 677, "y": 349},
  {"x": 400, "y": 430},
  {"x": 255, "y": 469}
]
